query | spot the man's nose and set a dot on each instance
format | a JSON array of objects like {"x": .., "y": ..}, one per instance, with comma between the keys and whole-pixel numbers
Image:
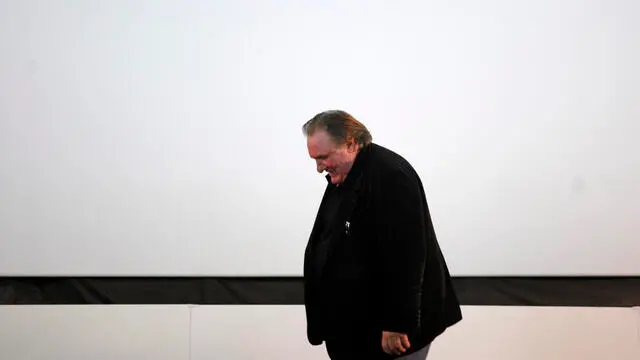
[{"x": 319, "y": 166}]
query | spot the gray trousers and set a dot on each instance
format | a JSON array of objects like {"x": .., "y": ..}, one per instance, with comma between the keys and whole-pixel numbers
[
  {"x": 421, "y": 354},
  {"x": 418, "y": 355}
]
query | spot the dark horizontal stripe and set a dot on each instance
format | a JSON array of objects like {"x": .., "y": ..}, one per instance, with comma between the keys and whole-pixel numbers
[{"x": 506, "y": 291}]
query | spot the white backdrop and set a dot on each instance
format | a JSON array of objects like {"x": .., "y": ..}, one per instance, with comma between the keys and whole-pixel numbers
[
  {"x": 163, "y": 137},
  {"x": 160, "y": 332}
]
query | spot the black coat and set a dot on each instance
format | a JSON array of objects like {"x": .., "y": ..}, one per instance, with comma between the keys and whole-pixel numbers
[{"x": 374, "y": 263}]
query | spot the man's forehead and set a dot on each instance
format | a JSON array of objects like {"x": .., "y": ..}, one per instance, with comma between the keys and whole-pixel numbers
[
  {"x": 320, "y": 144},
  {"x": 321, "y": 137}
]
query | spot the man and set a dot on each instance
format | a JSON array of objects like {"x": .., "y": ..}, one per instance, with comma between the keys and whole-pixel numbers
[{"x": 376, "y": 283}]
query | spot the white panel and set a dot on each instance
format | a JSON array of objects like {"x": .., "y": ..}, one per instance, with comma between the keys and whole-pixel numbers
[
  {"x": 531, "y": 333},
  {"x": 251, "y": 332},
  {"x": 499, "y": 333},
  {"x": 278, "y": 332},
  {"x": 163, "y": 137},
  {"x": 94, "y": 332},
  {"x": 638, "y": 317}
]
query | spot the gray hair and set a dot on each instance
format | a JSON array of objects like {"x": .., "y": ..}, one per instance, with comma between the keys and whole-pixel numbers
[{"x": 340, "y": 125}]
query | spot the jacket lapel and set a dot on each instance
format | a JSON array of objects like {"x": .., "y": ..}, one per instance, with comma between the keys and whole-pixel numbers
[{"x": 343, "y": 216}]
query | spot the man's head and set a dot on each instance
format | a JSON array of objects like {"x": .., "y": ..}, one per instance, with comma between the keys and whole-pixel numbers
[{"x": 334, "y": 138}]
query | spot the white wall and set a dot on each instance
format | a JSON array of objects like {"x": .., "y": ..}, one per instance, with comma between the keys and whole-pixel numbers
[
  {"x": 94, "y": 332},
  {"x": 278, "y": 332}
]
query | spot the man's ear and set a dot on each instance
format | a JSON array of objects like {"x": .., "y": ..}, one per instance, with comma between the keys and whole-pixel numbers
[{"x": 352, "y": 144}]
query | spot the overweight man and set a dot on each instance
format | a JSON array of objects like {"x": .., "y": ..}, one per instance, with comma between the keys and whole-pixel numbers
[{"x": 376, "y": 283}]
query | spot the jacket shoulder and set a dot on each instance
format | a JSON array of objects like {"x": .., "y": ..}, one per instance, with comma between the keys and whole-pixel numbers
[{"x": 386, "y": 164}]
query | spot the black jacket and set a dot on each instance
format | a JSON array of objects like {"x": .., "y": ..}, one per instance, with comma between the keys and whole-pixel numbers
[{"x": 374, "y": 263}]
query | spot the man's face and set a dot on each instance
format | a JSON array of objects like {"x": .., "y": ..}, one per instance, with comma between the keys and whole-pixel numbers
[{"x": 335, "y": 159}]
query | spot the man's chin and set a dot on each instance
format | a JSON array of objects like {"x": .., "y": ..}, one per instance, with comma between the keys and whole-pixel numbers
[{"x": 335, "y": 179}]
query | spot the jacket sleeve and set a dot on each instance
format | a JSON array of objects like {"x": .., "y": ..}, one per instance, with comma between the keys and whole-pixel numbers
[{"x": 401, "y": 235}]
